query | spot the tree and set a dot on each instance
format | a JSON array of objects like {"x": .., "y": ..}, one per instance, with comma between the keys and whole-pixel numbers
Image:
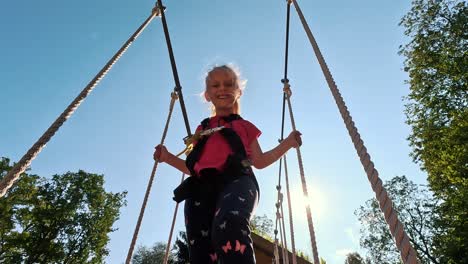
[
  {"x": 262, "y": 226},
  {"x": 65, "y": 219},
  {"x": 354, "y": 258},
  {"x": 153, "y": 255},
  {"x": 415, "y": 207},
  {"x": 437, "y": 111},
  {"x": 181, "y": 251}
]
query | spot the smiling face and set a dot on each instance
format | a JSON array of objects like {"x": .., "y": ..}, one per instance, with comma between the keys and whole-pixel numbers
[{"x": 222, "y": 90}]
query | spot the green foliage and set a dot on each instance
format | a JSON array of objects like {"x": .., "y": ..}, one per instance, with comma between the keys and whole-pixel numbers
[
  {"x": 153, "y": 255},
  {"x": 354, "y": 258},
  {"x": 65, "y": 219},
  {"x": 262, "y": 226},
  {"x": 437, "y": 111},
  {"x": 181, "y": 250},
  {"x": 415, "y": 207},
  {"x": 303, "y": 255}
]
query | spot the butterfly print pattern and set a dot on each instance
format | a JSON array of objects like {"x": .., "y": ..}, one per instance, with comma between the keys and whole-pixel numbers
[
  {"x": 224, "y": 222},
  {"x": 227, "y": 247},
  {"x": 240, "y": 247},
  {"x": 214, "y": 257}
]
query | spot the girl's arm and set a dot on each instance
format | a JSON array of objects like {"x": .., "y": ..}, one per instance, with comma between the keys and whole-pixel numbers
[
  {"x": 161, "y": 154},
  {"x": 261, "y": 160}
]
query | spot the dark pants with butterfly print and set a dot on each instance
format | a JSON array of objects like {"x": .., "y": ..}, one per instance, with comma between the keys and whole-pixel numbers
[{"x": 218, "y": 224}]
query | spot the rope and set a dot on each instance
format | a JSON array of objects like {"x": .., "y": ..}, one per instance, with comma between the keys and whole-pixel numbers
[
  {"x": 150, "y": 182},
  {"x": 178, "y": 91},
  {"x": 178, "y": 87},
  {"x": 283, "y": 227},
  {"x": 13, "y": 175},
  {"x": 291, "y": 225},
  {"x": 278, "y": 188},
  {"x": 287, "y": 92},
  {"x": 276, "y": 253},
  {"x": 283, "y": 250},
  {"x": 174, "y": 217},
  {"x": 407, "y": 252}
]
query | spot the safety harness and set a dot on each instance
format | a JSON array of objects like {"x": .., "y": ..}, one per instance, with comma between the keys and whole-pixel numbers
[{"x": 210, "y": 181}]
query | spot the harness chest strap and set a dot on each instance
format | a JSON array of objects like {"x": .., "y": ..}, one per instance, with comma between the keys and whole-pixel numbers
[
  {"x": 232, "y": 138},
  {"x": 189, "y": 140},
  {"x": 237, "y": 163}
]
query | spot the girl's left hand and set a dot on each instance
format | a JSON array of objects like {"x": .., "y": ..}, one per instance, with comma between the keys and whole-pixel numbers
[{"x": 294, "y": 139}]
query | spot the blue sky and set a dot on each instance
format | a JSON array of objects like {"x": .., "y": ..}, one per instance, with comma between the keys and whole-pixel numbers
[{"x": 52, "y": 49}]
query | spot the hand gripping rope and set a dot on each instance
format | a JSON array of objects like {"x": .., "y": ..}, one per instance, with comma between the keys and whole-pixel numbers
[
  {"x": 287, "y": 92},
  {"x": 174, "y": 97},
  {"x": 286, "y": 98}
]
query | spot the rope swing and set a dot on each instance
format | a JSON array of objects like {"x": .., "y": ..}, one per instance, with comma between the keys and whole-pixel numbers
[
  {"x": 407, "y": 252},
  {"x": 286, "y": 99}
]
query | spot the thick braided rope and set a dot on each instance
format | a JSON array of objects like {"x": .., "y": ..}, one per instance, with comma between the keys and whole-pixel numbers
[
  {"x": 174, "y": 97},
  {"x": 13, "y": 175},
  {"x": 407, "y": 252},
  {"x": 171, "y": 232},
  {"x": 303, "y": 180},
  {"x": 291, "y": 225}
]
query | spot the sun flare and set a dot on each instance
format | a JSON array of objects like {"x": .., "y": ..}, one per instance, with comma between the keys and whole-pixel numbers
[{"x": 316, "y": 202}]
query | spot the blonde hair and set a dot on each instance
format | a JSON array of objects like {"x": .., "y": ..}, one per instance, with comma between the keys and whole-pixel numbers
[{"x": 240, "y": 83}]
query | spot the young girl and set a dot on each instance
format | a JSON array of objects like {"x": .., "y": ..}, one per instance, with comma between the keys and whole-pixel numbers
[{"x": 222, "y": 192}]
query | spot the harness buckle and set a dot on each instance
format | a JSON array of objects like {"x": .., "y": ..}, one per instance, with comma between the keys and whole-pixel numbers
[
  {"x": 246, "y": 163},
  {"x": 210, "y": 131}
]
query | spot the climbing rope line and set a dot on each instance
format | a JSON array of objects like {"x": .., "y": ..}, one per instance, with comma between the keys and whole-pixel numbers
[
  {"x": 284, "y": 250},
  {"x": 171, "y": 232},
  {"x": 32, "y": 153},
  {"x": 174, "y": 97},
  {"x": 280, "y": 222},
  {"x": 276, "y": 254},
  {"x": 278, "y": 187},
  {"x": 407, "y": 252},
  {"x": 280, "y": 243},
  {"x": 285, "y": 245},
  {"x": 291, "y": 225},
  {"x": 178, "y": 87},
  {"x": 287, "y": 91},
  {"x": 178, "y": 90},
  {"x": 279, "y": 200}
]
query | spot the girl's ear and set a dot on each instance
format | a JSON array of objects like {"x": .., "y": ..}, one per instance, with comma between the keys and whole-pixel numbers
[{"x": 207, "y": 98}]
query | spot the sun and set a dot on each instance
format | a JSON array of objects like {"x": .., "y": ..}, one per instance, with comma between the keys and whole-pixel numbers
[{"x": 316, "y": 201}]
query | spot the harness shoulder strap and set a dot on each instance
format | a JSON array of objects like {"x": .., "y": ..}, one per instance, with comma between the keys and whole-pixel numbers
[{"x": 234, "y": 141}]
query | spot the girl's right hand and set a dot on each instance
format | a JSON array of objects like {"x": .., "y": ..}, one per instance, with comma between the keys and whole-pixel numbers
[
  {"x": 294, "y": 139},
  {"x": 161, "y": 154}
]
